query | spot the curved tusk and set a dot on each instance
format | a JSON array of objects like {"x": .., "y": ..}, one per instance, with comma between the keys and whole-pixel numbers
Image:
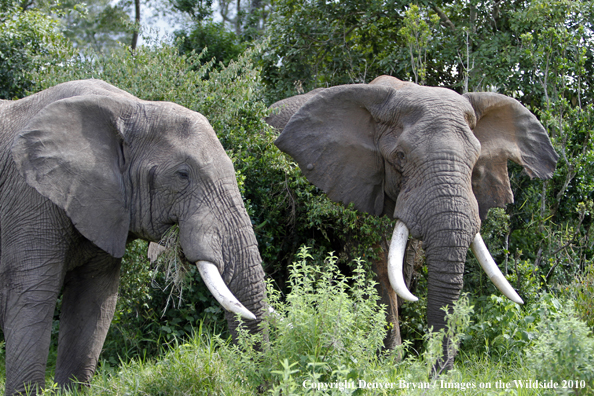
[
  {"x": 395, "y": 259},
  {"x": 213, "y": 280},
  {"x": 483, "y": 256}
]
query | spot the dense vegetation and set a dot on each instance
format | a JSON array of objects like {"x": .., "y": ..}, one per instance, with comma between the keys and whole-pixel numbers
[{"x": 540, "y": 52}]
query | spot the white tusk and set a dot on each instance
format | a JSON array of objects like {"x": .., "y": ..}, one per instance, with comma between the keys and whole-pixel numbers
[
  {"x": 483, "y": 256},
  {"x": 213, "y": 280},
  {"x": 395, "y": 260}
]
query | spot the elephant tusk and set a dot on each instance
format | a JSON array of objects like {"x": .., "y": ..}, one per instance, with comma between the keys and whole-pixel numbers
[
  {"x": 214, "y": 282},
  {"x": 483, "y": 256},
  {"x": 395, "y": 260}
]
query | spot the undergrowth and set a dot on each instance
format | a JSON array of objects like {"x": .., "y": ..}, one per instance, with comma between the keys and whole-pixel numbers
[{"x": 325, "y": 338}]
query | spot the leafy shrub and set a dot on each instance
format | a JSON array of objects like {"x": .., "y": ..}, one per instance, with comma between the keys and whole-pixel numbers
[
  {"x": 581, "y": 291},
  {"x": 28, "y": 40},
  {"x": 329, "y": 329},
  {"x": 221, "y": 44},
  {"x": 563, "y": 352},
  {"x": 501, "y": 328}
]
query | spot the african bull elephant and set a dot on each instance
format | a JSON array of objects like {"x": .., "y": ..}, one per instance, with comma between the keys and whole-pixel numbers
[
  {"x": 432, "y": 159},
  {"x": 86, "y": 168}
]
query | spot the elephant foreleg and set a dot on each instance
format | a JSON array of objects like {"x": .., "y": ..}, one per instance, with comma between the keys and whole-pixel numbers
[
  {"x": 27, "y": 332},
  {"x": 30, "y": 279},
  {"x": 88, "y": 304},
  {"x": 412, "y": 263}
]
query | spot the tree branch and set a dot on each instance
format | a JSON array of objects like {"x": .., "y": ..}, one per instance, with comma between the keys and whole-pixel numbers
[{"x": 444, "y": 18}]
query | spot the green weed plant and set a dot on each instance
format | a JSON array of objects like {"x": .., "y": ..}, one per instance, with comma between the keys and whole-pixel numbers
[{"x": 563, "y": 351}]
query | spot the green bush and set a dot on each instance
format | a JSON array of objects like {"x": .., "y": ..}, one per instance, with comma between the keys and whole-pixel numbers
[
  {"x": 563, "y": 352},
  {"x": 581, "y": 291},
  {"x": 329, "y": 329},
  {"x": 502, "y": 328},
  {"x": 220, "y": 44},
  {"x": 28, "y": 41}
]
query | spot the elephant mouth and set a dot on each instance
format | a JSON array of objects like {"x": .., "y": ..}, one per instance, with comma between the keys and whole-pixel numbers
[{"x": 478, "y": 247}]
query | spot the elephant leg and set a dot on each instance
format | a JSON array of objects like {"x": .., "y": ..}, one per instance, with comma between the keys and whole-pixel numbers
[
  {"x": 27, "y": 332},
  {"x": 387, "y": 297},
  {"x": 88, "y": 304},
  {"x": 413, "y": 261},
  {"x": 30, "y": 287}
]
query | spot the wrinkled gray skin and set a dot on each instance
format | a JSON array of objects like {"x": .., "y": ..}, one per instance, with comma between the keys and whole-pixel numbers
[
  {"x": 87, "y": 167},
  {"x": 428, "y": 156}
]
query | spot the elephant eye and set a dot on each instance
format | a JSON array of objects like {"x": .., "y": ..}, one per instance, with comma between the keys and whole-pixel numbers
[
  {"x": 183, "y": 174},
  {"x": 399, "y": 160}
]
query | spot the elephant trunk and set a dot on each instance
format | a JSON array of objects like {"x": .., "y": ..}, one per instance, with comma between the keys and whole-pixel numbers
[
  {"x": 451, "y": 228},
  {"x": 219, "y": 236},
  {"x": 445, "y": 216},
  {"x": 447, "y": 237},
  {"x": 247, "y": 280}
]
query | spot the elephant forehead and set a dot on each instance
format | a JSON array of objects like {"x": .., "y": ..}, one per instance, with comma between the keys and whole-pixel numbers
[
  {"x": 434, "y": 102},
  {"x": 170, "y": 125}
]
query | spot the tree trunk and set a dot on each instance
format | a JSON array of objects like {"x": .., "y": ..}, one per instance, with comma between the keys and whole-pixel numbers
[{"x": 136, "y": 24}]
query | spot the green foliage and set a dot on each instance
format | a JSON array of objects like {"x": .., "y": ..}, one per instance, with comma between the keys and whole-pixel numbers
[
  {"x": 328, "y": 331},
  {"x": 198, "y": 10},
  {"x": 563, "y": 351},
  {"x": 581, "y": 292},
  {"x": 335, "y": 320},
  {"x": 28, "y": 41},
  {"x": 329, "y": 328},
  {"x": 220, "y": 44},
  {"x": 316, "y": 44},
  {"x": 502, "y": 329},
  {"x": 100, "y": 24},
  {"x": 546, "y": 334},
  {"x": 199, "y": 366},
  {"x": 417, "y": 34}
]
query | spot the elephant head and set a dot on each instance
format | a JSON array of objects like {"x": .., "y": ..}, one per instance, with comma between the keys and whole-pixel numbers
[
  {"x": 432, "y": 159},
  {"x": 105, "y": 167}
]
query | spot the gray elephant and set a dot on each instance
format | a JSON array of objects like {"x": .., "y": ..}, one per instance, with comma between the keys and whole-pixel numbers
[
  {"x": 432, "y": 159},
  {"x": 86, "y": 168}
]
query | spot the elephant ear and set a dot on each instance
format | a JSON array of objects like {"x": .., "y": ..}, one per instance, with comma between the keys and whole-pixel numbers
[
  {"x": 72, "y": 152},
  {"x": 283, "y": 110},
  {"x": 507, "y": 131},
  {"x": 333, "y": 137}
]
